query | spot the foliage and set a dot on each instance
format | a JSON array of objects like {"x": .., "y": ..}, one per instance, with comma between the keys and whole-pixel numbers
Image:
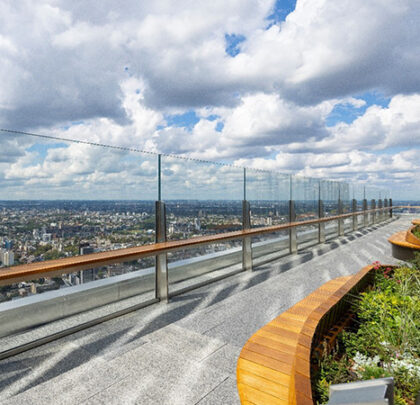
[
  {"x": 416, "y": 231},
  {"x": 416, "y": 260},
  {"x": 53, "y": 254},
  {"x": 386, "y": 340}
]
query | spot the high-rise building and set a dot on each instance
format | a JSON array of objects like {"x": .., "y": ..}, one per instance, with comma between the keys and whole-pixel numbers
[
  {"x": 8, "y": 244},
  {"x": 7, "y": 257}
]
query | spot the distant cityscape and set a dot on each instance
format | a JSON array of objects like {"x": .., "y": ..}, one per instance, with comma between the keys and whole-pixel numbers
[{"x": 34, "y": 231}]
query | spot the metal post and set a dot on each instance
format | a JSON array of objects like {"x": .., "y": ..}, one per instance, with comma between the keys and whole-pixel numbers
[
  {"x": 340, "y": 221},
  {"x": 292, "y": 231},
  {"x": 321, "y": 225},
  {"x": 354, "y": 210},
  {"x": 385, "y": 210},
  {"x": 161, "y": 264},
  {"x": 159, "y": 177},
  {"x": 365, "y": 214},
  {"x": 390, "y": 211},
  {"x": 373, "y": 215},
  {"x": 246, "y": 241}
]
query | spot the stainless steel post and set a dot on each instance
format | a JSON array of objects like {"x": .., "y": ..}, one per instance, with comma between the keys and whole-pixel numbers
[
  {"x": 246, "y": 241},
  {"x": 373, "y": 214},
  {"x": 385, "y": 210},
  {"x": 354, "y": 210},
  {"x": 340, "y": 221},
  {"x": 365, "y": 214},
  {"x": 161, "y": 268},
  {"x": 292, "y": 231},
  {"x": 321, "y": 225},
  {"x": 380, "y": 212}
]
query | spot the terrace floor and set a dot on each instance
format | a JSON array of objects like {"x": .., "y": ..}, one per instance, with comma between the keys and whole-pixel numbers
[{"x": 184, "y": 352}]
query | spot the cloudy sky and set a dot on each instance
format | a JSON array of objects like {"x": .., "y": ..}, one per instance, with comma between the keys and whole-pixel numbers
[{"x": 319, "y": 88}]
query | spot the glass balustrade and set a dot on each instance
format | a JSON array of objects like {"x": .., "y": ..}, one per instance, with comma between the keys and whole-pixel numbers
[{"x": 63, "y": 199}]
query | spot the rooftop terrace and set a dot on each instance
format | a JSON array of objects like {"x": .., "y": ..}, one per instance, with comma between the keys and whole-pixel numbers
[{"x": 185, "y": 352}]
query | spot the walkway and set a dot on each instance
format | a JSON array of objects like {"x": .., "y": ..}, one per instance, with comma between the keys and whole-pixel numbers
[{"x": 184, "y": 352}]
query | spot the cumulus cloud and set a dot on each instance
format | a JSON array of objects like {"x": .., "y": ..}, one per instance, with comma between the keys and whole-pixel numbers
[
  {"x": 378, "y": 128},
  {"x": 326, "y": 50},
  {"x": 113, "y": 74}
]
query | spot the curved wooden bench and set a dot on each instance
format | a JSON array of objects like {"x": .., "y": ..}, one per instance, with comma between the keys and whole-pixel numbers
[
  {"x": 404, "y": 244},
  {"x": 411, "y": 238},
  {"x": 274, "y": 365},
  {"x": 415, "y": 221}
]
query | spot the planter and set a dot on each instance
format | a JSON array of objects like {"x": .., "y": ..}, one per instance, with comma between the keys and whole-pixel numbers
[
  {"x": 383, "y": 341},
  {"x": 274, "y": 366},
  {"x": 404, "y": 244}
]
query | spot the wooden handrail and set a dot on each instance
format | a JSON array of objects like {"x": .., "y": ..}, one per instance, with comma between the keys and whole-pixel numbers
[{"x": 51, "y": 268}]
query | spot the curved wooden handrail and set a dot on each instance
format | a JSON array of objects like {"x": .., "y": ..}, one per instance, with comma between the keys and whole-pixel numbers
[
  {"x": 51, "y": 268},
  {"x": 274, "y": 365},
  {"x": 415, "y": 221}
]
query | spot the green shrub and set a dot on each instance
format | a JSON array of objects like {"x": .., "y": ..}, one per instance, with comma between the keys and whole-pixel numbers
[
  {"x": 386, "y": 340},
  {"x": 416, "y": 232}
]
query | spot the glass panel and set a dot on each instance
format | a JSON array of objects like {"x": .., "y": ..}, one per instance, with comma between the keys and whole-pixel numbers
[
  {"x": 201, "y": 198},
  {"x": 346, "y": 204},
  {"x": 268, "y": 194},
  {"x": 305, "y": 192},
  {"x": 64, "y": 199},
  {"x": 329, "y": 195}
]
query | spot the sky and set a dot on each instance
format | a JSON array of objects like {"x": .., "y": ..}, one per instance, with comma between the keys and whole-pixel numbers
[{"x": 317, "y": 88}]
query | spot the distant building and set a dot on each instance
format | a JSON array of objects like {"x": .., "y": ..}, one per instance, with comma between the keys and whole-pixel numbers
[
  {"x": 46, "y": 237},
  {"x": 8, "y": 244},
  {"x": 86, "y": 275},
  {"x": 7, "y": 257},
  {"x": 85, "y": 250}
]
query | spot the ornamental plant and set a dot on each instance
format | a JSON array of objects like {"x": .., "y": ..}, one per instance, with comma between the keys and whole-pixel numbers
[
  {"x": 385, "y": 339},
  {"x": 416, "y": 232}
]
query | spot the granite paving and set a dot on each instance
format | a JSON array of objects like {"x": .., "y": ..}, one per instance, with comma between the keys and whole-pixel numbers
[{"x": 184, "y": 352}]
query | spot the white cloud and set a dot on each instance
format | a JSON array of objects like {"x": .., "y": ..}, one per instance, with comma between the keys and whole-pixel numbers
[
  {"x": 379, "y": 128},
  {"x": 118, "y": 71}
]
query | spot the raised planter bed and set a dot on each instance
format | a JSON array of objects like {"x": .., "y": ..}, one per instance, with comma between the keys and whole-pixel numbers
[
  {"x": 274, "y": 366},
  {"x": 382, "y": 343},
  {"x": 284, "y": 361},
  {"x": 405, "y": 243}
]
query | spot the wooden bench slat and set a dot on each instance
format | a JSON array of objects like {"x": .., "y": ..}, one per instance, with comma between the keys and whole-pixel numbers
[
  {"x": 261, "y": 340},
  {"x": 269, "y": 352},
  {"x": 262, "y": 371},
  {"x": 263, "y": 385},
  {"x": 257, "y": 397},
  {"x": 266, "y": 361}
]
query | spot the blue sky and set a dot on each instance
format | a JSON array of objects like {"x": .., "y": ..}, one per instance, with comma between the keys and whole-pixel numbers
[
  {"x": 348, "y": 113},
  {"x": 281, "y": 9}
]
